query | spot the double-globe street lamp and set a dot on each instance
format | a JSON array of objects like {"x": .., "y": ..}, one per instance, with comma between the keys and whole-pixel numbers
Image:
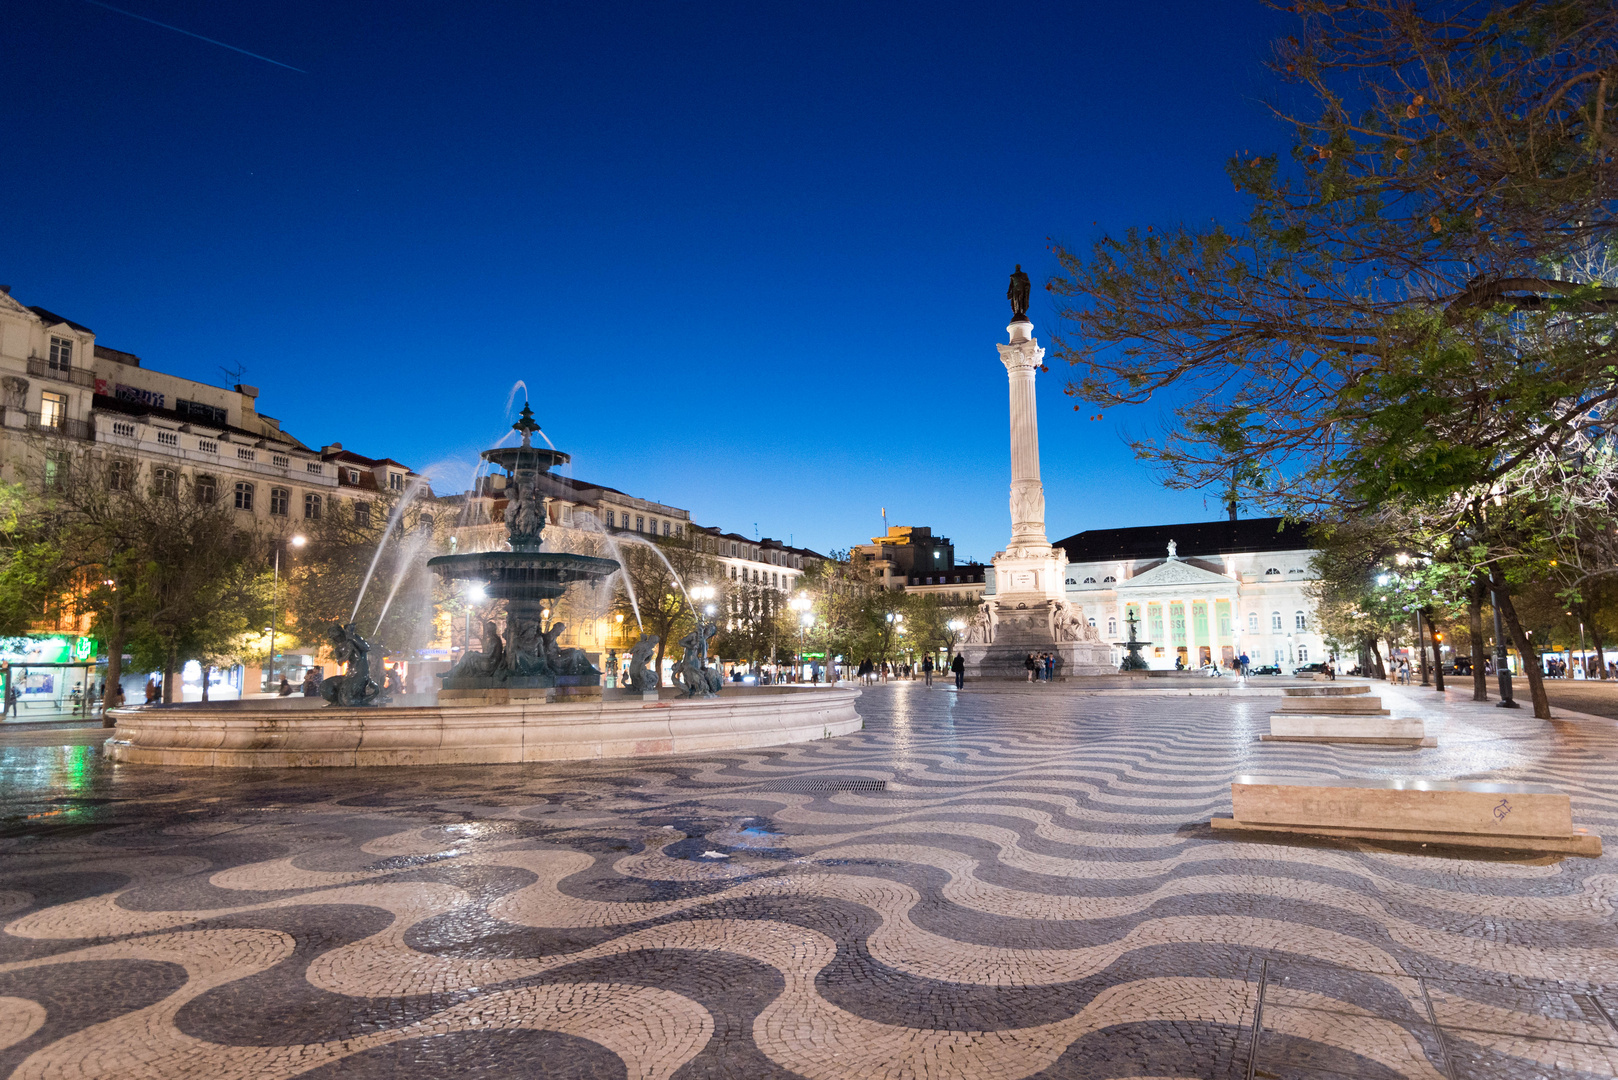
[
  {"x": 297, "y": 541},
  {"x": 806, "y": 618}
]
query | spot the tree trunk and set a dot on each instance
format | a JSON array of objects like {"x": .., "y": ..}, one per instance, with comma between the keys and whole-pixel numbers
[
  {"x": 1525, "y": 648},
  {"x": 1376, "y": 659},
  {"x": 170, "y": 675},
  {"x": 1474, "y": 629},
  {"x": 1421, "y": 651},
  {"x": 1438, "y": 657},
  {"x": 657, "y": 672}
]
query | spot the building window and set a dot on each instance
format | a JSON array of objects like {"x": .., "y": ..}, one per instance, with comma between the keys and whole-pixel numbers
[
  {"x": 168, "y": 438},
  {"x": 1299, "y": 622},
  {"x": 665, "y": 528},
  {"x": 1112, "y": 627},
  {"x": 775, "y": 581},
  {"x": 1252, "y": 622},
  {"x": 679, "y": 530},
  {"x": 163, "y": 483},
  {"x": 362, "y": 515},
  {"x": 207, "y": 489},
  {"x": 1303, "y": 654},
  {"x": 244, "y": 495},
  {"x": 1275, "y": 622},
  {"x": 733, "y": 573},
  {"x": 1280, "y": 658},
  {"x": 61, "y": 355},
  {"x": 120, "y": 475},
  {"x": 1089, "y": 581},
  {"x": 52, "y": 410},
  {"x": 311, "y": 506},
  {"x": 353, "y": 476},
  {"x": 57, "y": 464},
  {"x": 609, "y": 519},
  {"x": 395, "y": 481},
  {"x": 280, "y": 501},
  {"x": 1108, "y": 578},
  {"x": 1271, "y": 570},
  {"x": 640, "y": 523}
]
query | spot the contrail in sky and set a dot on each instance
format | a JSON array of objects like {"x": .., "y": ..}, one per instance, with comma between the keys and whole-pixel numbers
[{"x": 199, "y": 37}]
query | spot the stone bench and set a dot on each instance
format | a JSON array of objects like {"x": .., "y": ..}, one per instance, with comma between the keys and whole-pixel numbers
[
  {"x": 1382, "y": 730},
  {"x": 1521, "y": 817},
  {"x": 1360, "y": 705},
  {"x": 1331, "y": 690}
]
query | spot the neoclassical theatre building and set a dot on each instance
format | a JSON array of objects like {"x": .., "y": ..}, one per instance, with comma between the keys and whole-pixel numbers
[{"x": 1207, "y": 590}]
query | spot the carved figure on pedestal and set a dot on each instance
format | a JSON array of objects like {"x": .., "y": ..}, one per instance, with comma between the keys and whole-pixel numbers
[
  {"x": 487, "y": 663},
  {"x": 564, "y": 661},
  {"x": 525, "y": 650},
  {"x": 1069, "y": 624},
  {"x": 640, "y": 679},
  {"x": 689, "y": 672},
  {"x": 1027, "y": 505},
  {"x": 354, "y": 686},
  {"x": 980, "y": 627},
  {"x": 525, "y": 509},
  {"x": 1018, "y": 293}
]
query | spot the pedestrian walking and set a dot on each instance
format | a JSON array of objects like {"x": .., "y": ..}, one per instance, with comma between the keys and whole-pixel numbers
[
  {"x": 927, "y": 669},
  {"x": 152, "y": 692},
  {"x": 958, "y": 665},
  {"x": 1032, "y": 666},
  {"x": 1242, "y": 662},
  {"x": 11, "y": 698},
  {"x": 1050, "y": 667}
]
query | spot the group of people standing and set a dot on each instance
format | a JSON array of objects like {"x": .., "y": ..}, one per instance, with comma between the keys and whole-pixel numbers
[
  {"x": 1041, "y": 668},
  {"x": 870, "y": 671}
]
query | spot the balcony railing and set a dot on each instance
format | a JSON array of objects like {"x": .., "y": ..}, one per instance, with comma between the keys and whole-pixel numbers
[
  {"x": 60, "y": 426},
  {"x": 37, "y": 366}
]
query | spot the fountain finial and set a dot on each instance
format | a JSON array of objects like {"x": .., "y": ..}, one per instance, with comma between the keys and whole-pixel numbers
[{"x": 525, "y": 424}]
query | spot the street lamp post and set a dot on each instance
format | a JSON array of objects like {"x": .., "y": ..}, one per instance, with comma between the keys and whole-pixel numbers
[
  {"x": 800, "y": 604},
  {"x": 1502, "y": 667},
  {"x": 296, "y": 541}
]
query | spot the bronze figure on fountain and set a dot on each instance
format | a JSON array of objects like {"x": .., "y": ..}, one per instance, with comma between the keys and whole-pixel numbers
[{"x": 527, "y": 578}]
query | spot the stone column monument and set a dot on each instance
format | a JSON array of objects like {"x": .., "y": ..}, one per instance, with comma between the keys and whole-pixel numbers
[{"x": 1028, "y": 611}]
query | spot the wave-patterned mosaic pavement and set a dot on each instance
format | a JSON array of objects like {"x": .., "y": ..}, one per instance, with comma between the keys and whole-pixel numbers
[{"x": 991, "y": 884}]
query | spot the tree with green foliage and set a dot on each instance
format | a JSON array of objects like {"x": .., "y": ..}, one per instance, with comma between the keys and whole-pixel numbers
[{"x": 1407, "y": 316}]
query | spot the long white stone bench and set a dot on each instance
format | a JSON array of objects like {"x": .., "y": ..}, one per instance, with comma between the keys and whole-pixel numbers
[
  {"x": 1342, "y": 715},
  {"x": 1519, "y": 817}
]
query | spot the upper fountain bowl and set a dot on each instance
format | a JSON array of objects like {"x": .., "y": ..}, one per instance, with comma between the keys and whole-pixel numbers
[{"x": 512, "y": 458}]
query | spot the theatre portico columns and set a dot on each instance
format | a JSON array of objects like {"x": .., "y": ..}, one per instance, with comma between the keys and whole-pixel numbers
[{"x": 1184, "y": 607}]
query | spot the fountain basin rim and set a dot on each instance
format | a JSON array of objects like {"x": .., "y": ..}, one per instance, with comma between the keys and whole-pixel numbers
[
  {"x": 512, "y": 457},
  {"x": 459, "y": 565}
]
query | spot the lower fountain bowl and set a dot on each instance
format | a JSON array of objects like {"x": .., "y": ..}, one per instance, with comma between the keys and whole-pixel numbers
[{"x": 255, "y": 735}]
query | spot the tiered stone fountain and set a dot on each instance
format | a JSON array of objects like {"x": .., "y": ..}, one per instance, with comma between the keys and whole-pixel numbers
[
  {"x": 526, "y": 664},
  {"x": 524, "y": 698}
]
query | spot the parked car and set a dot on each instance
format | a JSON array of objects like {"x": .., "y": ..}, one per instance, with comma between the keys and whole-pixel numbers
[
  {"x": 1305, "y": 669},
  {"x": 1266, "y": 669}
]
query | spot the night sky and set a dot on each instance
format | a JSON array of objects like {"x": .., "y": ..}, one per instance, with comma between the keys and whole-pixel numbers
[{"x": 750, "y": 259}]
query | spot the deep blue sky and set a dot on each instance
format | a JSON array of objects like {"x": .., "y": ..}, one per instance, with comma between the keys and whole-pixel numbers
[{"x": 749, "y": 258}]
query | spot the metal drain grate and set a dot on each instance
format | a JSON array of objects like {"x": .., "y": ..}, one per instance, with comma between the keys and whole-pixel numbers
[{"x": 819, "y": 785}]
